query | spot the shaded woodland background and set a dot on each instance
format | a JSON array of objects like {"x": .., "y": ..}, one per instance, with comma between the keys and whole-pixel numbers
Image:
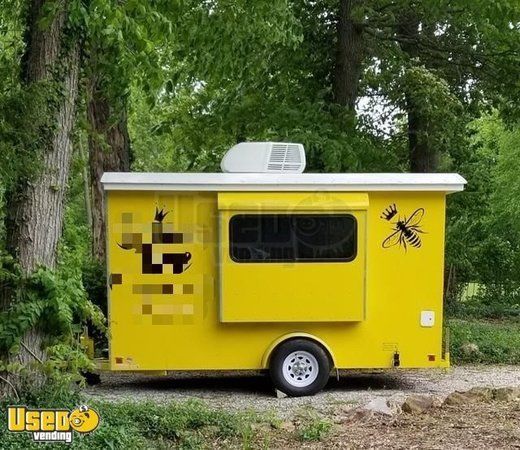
[{"x": 89, "y": 86}]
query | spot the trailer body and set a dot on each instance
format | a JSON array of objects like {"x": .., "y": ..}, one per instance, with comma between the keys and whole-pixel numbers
[{"x": 214, "y": 271}]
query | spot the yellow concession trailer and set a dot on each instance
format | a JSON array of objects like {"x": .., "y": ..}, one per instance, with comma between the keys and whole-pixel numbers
[{"x": 292, "y": 272}]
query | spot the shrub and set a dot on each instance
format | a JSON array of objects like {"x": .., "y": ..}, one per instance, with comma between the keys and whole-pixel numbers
[{"x": 488, "y": 342}]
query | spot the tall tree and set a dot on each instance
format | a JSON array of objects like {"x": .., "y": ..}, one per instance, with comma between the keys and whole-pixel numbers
[
  {"x": 35, "y": 205},
  {"x": 422, "y": 155},
  {"x": 126, "y": 32},
  {"x": 350, "y": 50},
  {"x": 109, "y": 151}
]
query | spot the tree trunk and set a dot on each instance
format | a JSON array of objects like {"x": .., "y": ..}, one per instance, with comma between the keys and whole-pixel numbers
[
  {"x": 349, "y": 56},
  {"x": 35, "y": 211},
  {"x": 423, "y": 158},
  {"x": 109, "y": 151}
]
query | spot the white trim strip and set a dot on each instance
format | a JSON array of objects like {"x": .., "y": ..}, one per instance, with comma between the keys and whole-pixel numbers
[{"x": 222, "y": 182}]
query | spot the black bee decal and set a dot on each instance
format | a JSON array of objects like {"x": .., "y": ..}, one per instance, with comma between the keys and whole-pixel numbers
[{"x": 406, "y": 230}]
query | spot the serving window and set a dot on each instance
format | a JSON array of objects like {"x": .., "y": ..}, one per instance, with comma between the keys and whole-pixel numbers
[
  {"x": 292, "y": 256},
  {"x": 292, "y": 237}
]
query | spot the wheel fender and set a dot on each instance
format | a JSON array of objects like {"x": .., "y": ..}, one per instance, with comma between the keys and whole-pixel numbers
[{"x": 285, "y": 337}]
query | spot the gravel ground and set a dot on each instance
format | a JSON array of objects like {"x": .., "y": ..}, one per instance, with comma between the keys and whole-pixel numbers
[
  {"x": 482, "y": 426},
  {"x": 250, "y": 391}
]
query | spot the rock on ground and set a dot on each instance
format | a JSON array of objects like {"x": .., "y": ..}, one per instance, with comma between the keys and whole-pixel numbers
[
  {"x": 381, "y": 405},
  {"x": 416, "y": 404}
]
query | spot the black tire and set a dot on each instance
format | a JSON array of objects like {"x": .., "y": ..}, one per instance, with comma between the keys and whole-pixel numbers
[{"x": 276, "y": 369}]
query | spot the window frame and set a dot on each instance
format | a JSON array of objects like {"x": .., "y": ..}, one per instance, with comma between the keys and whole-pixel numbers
[{"x": 295, "y": 260}]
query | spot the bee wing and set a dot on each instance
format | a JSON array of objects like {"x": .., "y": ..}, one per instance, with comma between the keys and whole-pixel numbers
[
  {"x": 392, "y": 240},
  {"x": 415, "y": 218}
]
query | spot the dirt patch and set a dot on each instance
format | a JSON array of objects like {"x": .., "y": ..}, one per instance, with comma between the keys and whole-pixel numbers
[{"x": 473, "y": 426}]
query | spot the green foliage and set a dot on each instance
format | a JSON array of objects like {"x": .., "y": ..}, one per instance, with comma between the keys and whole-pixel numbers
[
  {"x": 11, "y": 45},
  {"x": 435, "y": 101},
  {"x": 315, "y": 429},
  {"x": 147, "y": 425},
  {"x": 126, "y": 32},
  {"x": 483, "y": 240},
  {"x": 56, "y": 303},
  {"x": 94, "y": 280},
  {"x": 25, "y": 130},
  {"x": 27, "y": 109},
  {"x": 488, "y": 342},
  {"x": 506, "y": 197}
]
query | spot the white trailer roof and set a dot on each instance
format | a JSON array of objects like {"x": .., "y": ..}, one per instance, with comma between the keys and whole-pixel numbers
[{"x": 222, "y": 182}]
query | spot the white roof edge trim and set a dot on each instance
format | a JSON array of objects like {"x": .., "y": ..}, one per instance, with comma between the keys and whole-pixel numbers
[{"x": 222, "y": 182}]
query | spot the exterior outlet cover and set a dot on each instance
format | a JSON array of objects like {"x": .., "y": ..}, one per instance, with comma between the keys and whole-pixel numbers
[{"x": 427, "y": 318}]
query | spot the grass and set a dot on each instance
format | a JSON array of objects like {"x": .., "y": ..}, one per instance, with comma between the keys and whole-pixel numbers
[
  {"x": 484, "y": 341},
  {"x": 312, "y": 426},
  {"x": 315, "y": 430},
  {"x": 129, "y": 425}
]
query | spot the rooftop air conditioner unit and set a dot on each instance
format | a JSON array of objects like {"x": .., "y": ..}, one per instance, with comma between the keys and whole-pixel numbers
[{"x": 264, "y": 157}]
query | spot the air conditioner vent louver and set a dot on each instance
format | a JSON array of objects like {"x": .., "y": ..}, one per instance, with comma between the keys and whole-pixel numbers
[
  {"x": 285, "y": 158},
  {"x": 261, "y": 157}
]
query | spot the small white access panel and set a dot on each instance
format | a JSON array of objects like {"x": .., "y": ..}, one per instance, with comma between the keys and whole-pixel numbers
[{"x": 427, "y": 319}]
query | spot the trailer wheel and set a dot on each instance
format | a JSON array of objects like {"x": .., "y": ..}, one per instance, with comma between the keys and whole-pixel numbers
[{"x": 299, "y": 367}]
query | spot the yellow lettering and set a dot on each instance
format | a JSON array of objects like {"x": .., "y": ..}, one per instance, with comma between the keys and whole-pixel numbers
[
  {"x": 32, "y": 419},
  {"x": 47, "y": 420},
  {"x": 16, "y": 418},
  {"x": 62, "y": 421}
]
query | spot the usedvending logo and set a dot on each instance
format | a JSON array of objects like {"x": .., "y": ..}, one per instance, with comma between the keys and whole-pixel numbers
[{"x": 51, "y": 425}]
